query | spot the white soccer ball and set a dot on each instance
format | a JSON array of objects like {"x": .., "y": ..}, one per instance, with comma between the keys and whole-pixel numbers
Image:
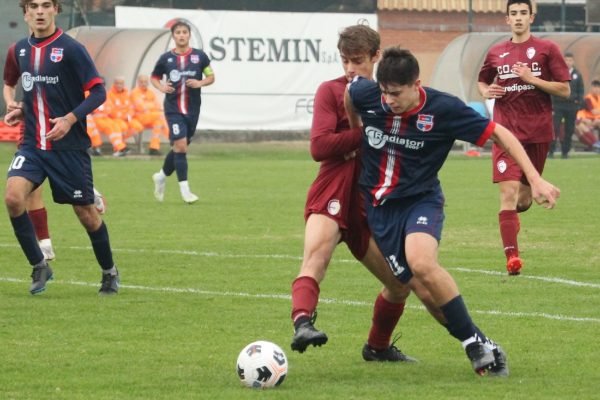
[{"x": 262, "y": 364}]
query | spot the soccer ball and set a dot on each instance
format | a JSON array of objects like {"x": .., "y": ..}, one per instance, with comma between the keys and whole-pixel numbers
[{"x": 262, "y": 364}]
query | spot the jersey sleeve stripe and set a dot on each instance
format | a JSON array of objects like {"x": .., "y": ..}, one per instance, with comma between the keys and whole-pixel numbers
[{"x": 486, "y": 134}]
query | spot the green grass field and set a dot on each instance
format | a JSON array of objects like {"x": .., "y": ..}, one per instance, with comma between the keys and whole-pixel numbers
[{"x": 200, "y": 282}]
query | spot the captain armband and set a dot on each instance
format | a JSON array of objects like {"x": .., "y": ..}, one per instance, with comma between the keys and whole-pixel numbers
[{"x": 207, "y": 71}]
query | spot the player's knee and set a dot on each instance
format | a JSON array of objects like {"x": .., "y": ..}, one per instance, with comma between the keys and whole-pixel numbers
[
  {"x": 395, "y": 292},
  {"x": 15, "y": 202}
]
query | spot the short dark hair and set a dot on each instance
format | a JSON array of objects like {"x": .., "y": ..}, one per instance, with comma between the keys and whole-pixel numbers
[
  {"x": 569, "y": 54},
  {"x": 24, "y": 3},
  {"x": 397, "y": 66},
  {"x": 357, "y": 39},
  {"x": 180, "y": 23},
  {"x": 596, "y": 82},
  {"x": 511, "y": 2}
]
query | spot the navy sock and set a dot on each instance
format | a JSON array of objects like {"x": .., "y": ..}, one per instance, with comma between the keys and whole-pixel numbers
[
  {"x": 181, "y": 166},
  {"x": 460, "y": 324},
  {"x": 26, "y": 236},
  {"x": 101, "y": 246},
  {"x": 169, "y": 164}
]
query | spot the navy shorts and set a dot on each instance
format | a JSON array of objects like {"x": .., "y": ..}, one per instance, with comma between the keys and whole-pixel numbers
[
  {"x": 182, "y": 126},
  {"x": 69, "y": 173},
  {"x": 392, "y": 221}
]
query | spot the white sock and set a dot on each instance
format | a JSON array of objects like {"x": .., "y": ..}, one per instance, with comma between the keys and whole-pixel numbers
[
  {"x": 112, "y": 271},
  {"x": 161, "y": 174},
  {"x": 184, "y": 187}
]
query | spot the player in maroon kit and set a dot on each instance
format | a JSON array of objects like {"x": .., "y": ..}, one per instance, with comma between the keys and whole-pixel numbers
[
  {"x": 335, "y": 211},
  {"x": 521, "y": 74}
]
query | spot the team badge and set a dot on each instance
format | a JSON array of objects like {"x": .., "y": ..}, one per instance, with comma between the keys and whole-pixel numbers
[
  {"x": 425, "y": 122},
  {"x": 334, "y": 207},
  {"x": 530, "y": 52},
  {"x": 56, "y": 55},
  {"x": 195, "y": 58},
  {"x": 501, "y": 165}
]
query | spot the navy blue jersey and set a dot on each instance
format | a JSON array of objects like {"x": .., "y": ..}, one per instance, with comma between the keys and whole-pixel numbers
[
  {"x": 177, "y": 68},
  {"x": 402, "y": 153},
  {"x": 55, "y": 73}
]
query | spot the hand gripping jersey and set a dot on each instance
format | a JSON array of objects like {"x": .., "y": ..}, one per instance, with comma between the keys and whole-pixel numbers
[
  {"x": 55, "y": 73},
  {"x": 178, "y": 68},
  {"x": 402, "y": 153},
  {"x": 525, "y": 110}
]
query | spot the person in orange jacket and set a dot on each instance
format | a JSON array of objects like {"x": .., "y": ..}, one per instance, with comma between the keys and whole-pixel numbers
[
  {"x": 119, "y": 108},
  {"x": 148, "y": 112}
]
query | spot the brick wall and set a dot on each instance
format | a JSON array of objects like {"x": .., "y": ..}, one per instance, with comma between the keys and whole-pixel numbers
[{"x": 427, "y": 34}]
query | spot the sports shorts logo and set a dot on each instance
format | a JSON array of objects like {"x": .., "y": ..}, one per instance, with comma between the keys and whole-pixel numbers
[
  {"x": 334, "y": 207},
  {"x": 501, "y": 166}
]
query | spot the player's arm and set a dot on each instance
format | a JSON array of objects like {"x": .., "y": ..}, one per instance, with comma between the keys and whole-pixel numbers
[
  {"x": 166, "y": 87},
  {"x": 492, "y": 91},
  {"x": 62, "y": 125},
  {"x": 325, "y": 141},
  {"x": 209, "y": 79},
  {"x": 561, "y": 89},
  {"x": 542, "y": 191}
]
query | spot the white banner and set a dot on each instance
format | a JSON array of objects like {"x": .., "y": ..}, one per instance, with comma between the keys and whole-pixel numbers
[{"x": 267, "y": 65}]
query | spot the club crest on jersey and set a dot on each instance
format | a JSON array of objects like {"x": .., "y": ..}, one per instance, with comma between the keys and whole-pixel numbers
[
  {"x": 530, "y": 52},
  {"x": 425, "y": 122},
  {"x": 56, "y": 55},
  {"x": 195, "y": 58}
]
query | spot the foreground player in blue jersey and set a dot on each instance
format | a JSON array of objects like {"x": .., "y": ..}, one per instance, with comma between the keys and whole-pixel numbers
[
  {"x": 55, "y": 72},
  {"x": 183, "y": 68},
  {"x": 408, "y": 131}
]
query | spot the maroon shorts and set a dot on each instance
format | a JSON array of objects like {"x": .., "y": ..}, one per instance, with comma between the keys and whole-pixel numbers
[
  {"x": 506, "y": 169},
  {"x": 336, "y": 195}
]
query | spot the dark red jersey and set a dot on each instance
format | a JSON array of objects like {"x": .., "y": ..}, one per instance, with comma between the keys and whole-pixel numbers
[{"x": 524, "y": 109}]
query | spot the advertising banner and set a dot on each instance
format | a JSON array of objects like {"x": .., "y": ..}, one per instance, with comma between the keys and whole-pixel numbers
[{"x": 267, "y": 65}]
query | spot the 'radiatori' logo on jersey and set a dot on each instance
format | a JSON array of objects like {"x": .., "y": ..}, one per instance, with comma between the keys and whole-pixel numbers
[
  {"x": 28, "y": 80},
  {"x": 175, "y": 75},
  {"x": 377, "y": 139}
]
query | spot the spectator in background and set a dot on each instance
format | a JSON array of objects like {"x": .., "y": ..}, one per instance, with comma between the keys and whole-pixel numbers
[
  {"x": 588, "y": 118},
  {"x": 148, "y": 112},
  {"x": 119, "y": 108},
  {"x": 100, "y": 122},
  {"x": 565, "y": 110}
]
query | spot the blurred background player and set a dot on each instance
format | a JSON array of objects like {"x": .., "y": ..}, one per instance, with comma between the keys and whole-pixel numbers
[
  {"x": 565, "y": 110},
  {"x": 334, "y": 210},
  {"x": 118, "y": 106},
  {"x": 55, "y": 141},
  {"x": 148, "y": 112},
  {"x": 183, "y": 69},
  {"x": 521, "y": 74}
]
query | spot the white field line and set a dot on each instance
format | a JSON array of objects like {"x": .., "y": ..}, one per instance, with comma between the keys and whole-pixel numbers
[
  {"x": 194, "y": 253},
  {"x": 322, "y": 300},
  {"x": 287, "y": 297}
]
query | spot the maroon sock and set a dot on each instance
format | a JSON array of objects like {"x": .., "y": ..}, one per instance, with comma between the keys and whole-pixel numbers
[
  {"x": 509, "y": 228},
  {"x": 305, "y": 296},
  {"x": 385, "y": 319},
  {"x": 39, "y": 219}
]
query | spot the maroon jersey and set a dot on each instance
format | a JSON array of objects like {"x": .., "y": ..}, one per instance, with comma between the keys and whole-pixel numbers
[
  {"x": 334, "y": 192},
  {"x": 524, "y": 109}
]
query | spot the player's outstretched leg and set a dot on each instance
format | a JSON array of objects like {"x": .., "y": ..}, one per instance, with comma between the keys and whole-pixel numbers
[{"x": 160, "y": 182}]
